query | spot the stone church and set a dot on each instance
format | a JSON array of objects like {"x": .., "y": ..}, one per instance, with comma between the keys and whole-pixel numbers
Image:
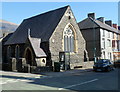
[{"x": 38, "y": 41}]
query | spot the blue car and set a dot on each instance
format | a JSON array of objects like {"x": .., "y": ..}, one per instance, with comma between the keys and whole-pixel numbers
[{"x": 103, "y": 65}]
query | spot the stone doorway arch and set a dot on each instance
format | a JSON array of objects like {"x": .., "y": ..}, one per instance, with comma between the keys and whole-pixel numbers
[{"x": 28, "y": 55}]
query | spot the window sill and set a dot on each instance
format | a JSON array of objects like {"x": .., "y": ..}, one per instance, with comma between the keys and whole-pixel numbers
[{"x": 72, "y": 53}]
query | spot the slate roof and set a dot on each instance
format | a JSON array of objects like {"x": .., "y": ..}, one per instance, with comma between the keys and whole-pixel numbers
[
  {"x": 35, "y": 42},
  {"x": 89, "y": 23},
  {"x": 42, "y": 26},
  {"x": 7, "y": 37}
]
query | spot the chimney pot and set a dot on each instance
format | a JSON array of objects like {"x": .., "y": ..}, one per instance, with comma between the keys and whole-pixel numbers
[
  {"x": 115, "y": 26},
  {"x": 101, "y": 19},
  {"x": 109, "y": 22},
  {"x": 92, "y": 15}
]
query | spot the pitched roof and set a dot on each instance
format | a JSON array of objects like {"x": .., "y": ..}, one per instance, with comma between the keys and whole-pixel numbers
[
  {"x": 5, "y": 38},
  {"x": 35, "y": 42},
  {"x": 90, "y": 23},
  {"x": 87, "y": 23},
  {"x": 42, "y": 26}
]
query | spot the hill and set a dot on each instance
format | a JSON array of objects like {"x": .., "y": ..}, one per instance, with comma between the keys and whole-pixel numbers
[{"x": 7, "y": 27}]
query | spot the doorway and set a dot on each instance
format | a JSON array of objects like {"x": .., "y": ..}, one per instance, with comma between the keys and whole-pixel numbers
[{"x": 29, "y": 56}]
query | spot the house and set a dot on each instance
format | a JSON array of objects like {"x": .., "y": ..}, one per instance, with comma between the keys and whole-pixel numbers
[
  {"x": 99, "y": 36},
  {"x": 116, "y": 43},
  {"x": 38, "y": 41}
]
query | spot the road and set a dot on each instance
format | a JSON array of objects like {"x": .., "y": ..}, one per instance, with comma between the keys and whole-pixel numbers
[{"x": 72, "y": 82}]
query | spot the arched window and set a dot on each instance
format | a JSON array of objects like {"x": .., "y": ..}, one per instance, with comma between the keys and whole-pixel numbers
[
  {"x": 68, "y": 39},
  {"x": 17, "y": 51},
  {"x": 8, "y": 52}
]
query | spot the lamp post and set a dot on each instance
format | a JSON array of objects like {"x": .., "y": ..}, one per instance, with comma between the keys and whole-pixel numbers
[
  {"x": 94, "y": 39},
  {"x": 95, "y": 55}
]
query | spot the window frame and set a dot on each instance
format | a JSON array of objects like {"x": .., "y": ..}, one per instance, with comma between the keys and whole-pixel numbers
[
  {"x": 9, "y": 51},
  {"x": 72, "y": 43},
  {"x": 17, "y": 51}
]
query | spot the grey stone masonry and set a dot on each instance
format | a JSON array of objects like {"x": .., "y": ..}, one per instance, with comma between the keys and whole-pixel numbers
[{"x": 57, "y": 45}]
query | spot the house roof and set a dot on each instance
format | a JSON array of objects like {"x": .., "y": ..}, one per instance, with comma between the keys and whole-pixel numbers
[
  {"x": 35, "y": 42},
  {"x": 90, "y": 23},
  {"x": 42, "y": 26},
  {"x": 8, "y": 35}
]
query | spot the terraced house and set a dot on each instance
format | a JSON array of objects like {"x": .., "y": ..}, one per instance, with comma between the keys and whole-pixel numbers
[
  {"x": 39, "y": 40},
  {"x": 102, "y": 38},
  {"x": 116, "y": 43}
]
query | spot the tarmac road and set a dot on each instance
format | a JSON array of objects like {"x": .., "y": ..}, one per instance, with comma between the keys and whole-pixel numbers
[{"x": 71, "y": 81}]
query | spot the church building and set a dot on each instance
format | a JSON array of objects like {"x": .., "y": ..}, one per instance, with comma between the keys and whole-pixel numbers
[{"x": 39, "y": 40}]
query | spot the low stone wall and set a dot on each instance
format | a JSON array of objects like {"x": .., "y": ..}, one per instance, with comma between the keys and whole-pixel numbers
[
  {"x": 88, "y": 64},
  {"x": 42, "y": 69}
]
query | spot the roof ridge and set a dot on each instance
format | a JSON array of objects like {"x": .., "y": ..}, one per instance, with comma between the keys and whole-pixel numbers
[
  {"x": 41, "y": 26},
  {"x": 47, "y": 12},
  {"x": 115, "y": 30},
  {"x": 94, "y": 20}
]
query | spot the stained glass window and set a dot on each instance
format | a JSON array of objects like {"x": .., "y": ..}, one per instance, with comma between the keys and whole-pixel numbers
[{"x": 69, "y": 40}]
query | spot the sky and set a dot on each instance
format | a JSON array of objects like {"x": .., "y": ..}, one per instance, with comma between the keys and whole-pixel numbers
[{"x": 17, "y": 11}]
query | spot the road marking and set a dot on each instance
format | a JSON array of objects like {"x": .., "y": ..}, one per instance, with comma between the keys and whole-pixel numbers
[
  {"x": 26, "y": 80},
  {"x": 78, "y": 84},
  {"x": 10, "y": 81},
  {"x": 3, "y": 83},
  {"x": 14, "y": 81}
]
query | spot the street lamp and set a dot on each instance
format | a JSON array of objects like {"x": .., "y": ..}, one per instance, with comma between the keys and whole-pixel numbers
[{"x": 94, "y": 37}]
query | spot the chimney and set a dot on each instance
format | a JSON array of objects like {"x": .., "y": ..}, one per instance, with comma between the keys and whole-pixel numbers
[
  {"x": 92, "y": 15},
  {"x": 101, "y": 19},
  {"x": 109, "y": 22},
  {"x": 118, "y": 27},
  {"x": 115, "y": 26}
]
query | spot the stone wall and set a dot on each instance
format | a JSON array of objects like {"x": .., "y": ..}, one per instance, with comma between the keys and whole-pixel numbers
[
  {"x": 0, "y": 53},
  {"x": 88, "y": 64},
  {"x": 56, "y": 41}
]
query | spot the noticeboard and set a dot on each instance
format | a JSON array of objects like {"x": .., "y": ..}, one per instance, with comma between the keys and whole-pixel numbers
[{"x": 64, "y": 58}]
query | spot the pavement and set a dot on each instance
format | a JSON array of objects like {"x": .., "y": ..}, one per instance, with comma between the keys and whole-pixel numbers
[
  {"x": 67, "y": 72},
  {"x": 44, "y": 74}
]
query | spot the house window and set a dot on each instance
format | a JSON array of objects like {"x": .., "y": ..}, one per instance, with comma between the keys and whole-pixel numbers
[
  {"x": 108, "y": 34},
  {"x": 104, "y": 55},
  {"x": 103, "y": 33},
  {"x": 110, "y": 56},
  {"x": 103, "y": 43},
  {"x": 8, "y": 52},
  {"x": 68, "y": 40},
  {"x": 117, "y": 36},
  {"x": 109, "y": 43},
  {"x": 17, "y": 51},
  {"x": 113, "y": 35}
]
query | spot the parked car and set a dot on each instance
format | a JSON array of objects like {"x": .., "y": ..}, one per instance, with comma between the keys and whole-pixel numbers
[
  {"x": 103, "y": 65},
  {"x": 117, "y": 64}
]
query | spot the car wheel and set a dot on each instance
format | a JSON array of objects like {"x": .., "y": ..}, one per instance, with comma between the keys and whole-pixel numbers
[
  {"x": 109, "y": 69},
  {"x": 95, "y": 70}
]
